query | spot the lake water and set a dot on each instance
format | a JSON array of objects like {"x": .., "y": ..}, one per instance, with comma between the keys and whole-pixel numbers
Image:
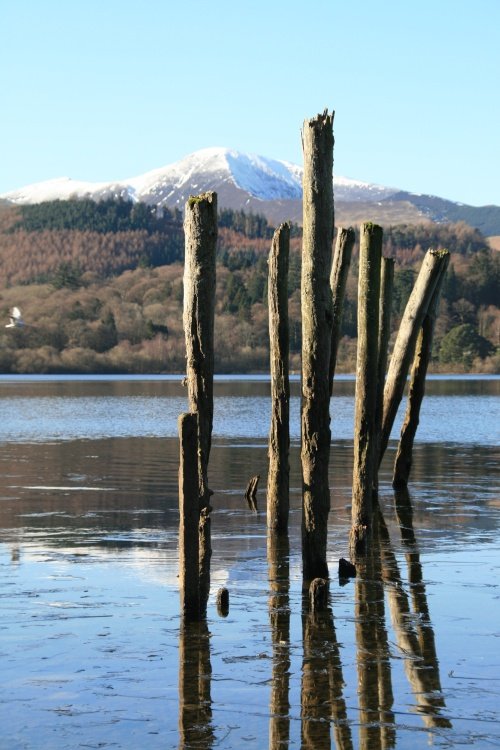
[{"x": 92, "y": 650}]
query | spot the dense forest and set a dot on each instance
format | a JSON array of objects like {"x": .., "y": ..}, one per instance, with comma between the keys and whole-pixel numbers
[{"x": 99, "y": 286}]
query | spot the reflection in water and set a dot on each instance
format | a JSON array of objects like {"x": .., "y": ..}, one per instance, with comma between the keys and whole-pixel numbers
[
  {"x": 278, "y": 557},
  {"x": 373, "y": 658},
  {"x": 324, "y": 718},
  {"x": 94, "y": 501},
  {"x": 322, "y": 685},
  {"x": 195, "y": 703},
  {"x": 413, "y": 630}
]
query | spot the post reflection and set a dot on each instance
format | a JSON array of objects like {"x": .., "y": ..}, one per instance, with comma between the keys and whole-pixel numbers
[
  {"x": 411, "y": 624},
  {"x": 278, "y": 556},
  {"x": 323, "y": 706},
  {"x": 375, "y": 696},
  {"x": 195, "y": 671}
]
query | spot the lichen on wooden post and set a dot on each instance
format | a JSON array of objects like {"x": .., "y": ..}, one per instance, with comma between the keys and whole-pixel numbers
[
  {"x": 404, "y": 346},
  {"x": 316, "y": 307},
  {"x": 370, "y": 255},
  {"x": 200, "y": 227},
  {"x": 189, "y": 574},
  {"x": 278, "y": 502},
  {"x": 338, "y": 279},
  {"x": 423, "y": 351}
]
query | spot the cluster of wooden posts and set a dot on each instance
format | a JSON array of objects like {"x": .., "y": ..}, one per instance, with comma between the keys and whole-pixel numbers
[{"x": 378, "y": 395}]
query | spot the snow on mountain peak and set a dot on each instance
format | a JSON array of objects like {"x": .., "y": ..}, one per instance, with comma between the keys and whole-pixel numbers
[{"x": 213, "y": 168}]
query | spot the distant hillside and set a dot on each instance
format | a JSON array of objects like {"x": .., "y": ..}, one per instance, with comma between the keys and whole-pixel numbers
[
  {"x": 100, "y": 290},
  {"x": 263, "y": 186},
  {"x": 57, "y": 239}
]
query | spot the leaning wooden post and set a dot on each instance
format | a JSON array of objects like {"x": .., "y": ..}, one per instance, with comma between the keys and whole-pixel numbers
[
  {"x": 189, "y": 574},
  {"x": 338, "y": 280},
  {"x": 370, "y": 255},
  {"x": 404, "y": 346},
  {"x": 278, "y": 501},
  {"x": 384, "y": 333},
  {"x": 316, "y": 304},
  {"x": 423, "y": 351},
  {"x": 200, "y": 227}
]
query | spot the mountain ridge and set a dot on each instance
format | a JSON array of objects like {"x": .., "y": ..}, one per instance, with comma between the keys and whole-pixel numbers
[{"x": 261, "y": 185}]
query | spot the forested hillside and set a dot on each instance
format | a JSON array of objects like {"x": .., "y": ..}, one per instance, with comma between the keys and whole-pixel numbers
[{"x": 100, "y": 289}]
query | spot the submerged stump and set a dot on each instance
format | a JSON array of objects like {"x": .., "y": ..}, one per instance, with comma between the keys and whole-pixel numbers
[{"x": 189, "y": 575}]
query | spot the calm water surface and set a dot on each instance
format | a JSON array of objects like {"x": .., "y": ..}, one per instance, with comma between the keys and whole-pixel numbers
[{"x": 92, "y": 649}]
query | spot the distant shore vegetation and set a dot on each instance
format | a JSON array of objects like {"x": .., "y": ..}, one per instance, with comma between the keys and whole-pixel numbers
[{"x": 99, "y": 285}]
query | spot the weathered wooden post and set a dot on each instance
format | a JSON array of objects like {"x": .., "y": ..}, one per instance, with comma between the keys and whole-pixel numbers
[
  {"x": 316, "y": 304},
  {"x": 200, "y": 227},
  {"x": 189, "y": 512},
  {"x": 423, "y": 351},
  {"x": 384, "y": 332},
  {"x": 370, "y": 255},
  {"x": 338, "y": 279},
  {"x": 404, "y": 346},
  {"x": 384, "y": 317},
  {"x": 278, "y": 501}
]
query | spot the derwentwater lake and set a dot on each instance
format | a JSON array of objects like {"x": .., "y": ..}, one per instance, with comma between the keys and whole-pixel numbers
[{"x": 93, "y": 653}]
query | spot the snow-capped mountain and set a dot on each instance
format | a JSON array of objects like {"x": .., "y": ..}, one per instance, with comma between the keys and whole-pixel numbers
[
  {"x": 261, "y": 185},
  {"x": 219, "y": 169}
]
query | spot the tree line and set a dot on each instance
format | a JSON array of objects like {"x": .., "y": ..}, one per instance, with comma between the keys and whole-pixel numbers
[{"x": 112, "y": 300}]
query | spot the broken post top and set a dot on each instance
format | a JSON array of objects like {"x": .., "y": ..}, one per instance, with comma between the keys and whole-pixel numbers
[
  {"x": 373, "y": 230},
  {"x": 320, "y": 122},
  {"x": 200, "y": 216},
  {"x": 209, "y": 197}
]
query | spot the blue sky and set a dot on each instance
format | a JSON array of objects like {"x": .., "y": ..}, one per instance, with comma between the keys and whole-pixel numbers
[{"x": 109, "y": 89}]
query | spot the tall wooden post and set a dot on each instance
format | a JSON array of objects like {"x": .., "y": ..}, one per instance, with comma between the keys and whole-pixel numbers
[
  {"x": 200, "y": 227},
  {"x": 278, "y": 501},
  {"x": 404, "y": 346},
  {"x": 423, "y": 351},
  {"x": 370, "y": 255},
  {"x": 338, "y": 280},
  {"x": 316, "y": 304},
  {"x": 189, "y": 513}
]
